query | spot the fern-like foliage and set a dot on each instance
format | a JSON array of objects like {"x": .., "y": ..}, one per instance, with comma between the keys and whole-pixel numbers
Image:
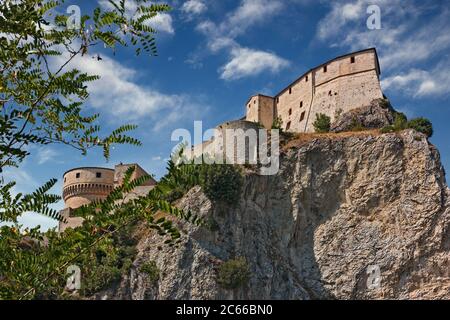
[
  {"x": 40, "y": 105},
  {"x": 11, "y": 207},
  {"x": 40, "y": 260}
]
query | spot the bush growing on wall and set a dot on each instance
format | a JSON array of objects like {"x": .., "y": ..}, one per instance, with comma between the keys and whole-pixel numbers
[
  {"x": 277, "y": 123},
  {"x": 322, "y": 123}
]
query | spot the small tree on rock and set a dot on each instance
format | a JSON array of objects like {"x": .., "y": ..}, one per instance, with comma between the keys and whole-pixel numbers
[{"x": 322, "y": 123}]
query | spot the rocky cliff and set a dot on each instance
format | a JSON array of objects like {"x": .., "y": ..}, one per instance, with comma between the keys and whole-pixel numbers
[{"x": 341, "y": 205}]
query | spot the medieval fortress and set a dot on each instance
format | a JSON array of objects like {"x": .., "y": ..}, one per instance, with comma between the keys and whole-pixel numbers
[
  {"x": 337, "y": 86},
  {"x": 83, "y": 185}
]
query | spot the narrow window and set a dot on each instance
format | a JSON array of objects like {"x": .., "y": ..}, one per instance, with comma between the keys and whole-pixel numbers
[
  {"x": 329, "y": 93},
  {"x": 352, "y": 60},
  {"x": 290, "y": 90},
  {"x": 301, "y": 104},
  {"x": 65, "y": 179},
  {"x": 290, "y": 111},
  {"x": 325, "y": 69},
  {"x": 302, "y": 116},
  {"x": 278, "y": 100},
  {"x": 306, "y": 79},
  {"x": 98, "y": 174},
  {"x": 254, "y": 102},
  {"x": 288, "y": 125},
  {"x": 249, "y": 106},
  {"x": 77, "y": 175}
]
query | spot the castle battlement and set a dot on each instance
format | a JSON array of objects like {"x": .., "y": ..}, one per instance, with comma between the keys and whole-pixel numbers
[
  {"x": 87, "y": 184},
  {"x": 338, "y": 85}
]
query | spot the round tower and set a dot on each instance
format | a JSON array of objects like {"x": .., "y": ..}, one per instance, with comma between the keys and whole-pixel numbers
[{"x": 86, "y": 184}]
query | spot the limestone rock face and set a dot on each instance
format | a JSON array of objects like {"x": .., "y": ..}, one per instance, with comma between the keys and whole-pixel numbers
[
  {"x": 376, "y": 115},
  {"x": 339, "y": 210}
]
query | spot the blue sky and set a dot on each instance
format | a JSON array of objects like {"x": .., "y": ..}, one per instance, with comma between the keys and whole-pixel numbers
[{"x": 214, "y": 54}]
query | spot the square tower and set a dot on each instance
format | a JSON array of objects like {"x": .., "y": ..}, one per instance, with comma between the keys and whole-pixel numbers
[{"x": 261, "y": 109}]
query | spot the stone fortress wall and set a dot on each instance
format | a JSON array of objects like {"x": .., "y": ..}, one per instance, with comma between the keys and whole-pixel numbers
[
  {"x": 87, "y": 184},
  {"x": 342, "y": 84},
  {"x": 84, "y": 185},
  {"x": 225, "y": 147}
]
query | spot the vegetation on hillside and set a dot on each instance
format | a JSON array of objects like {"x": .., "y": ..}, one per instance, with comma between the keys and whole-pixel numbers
[
  {"x": 221, "y": 183},
  {"x": 401, "y": 122},
  {"x": 43, "y": 103},
  {"x": 233, "y": 274}
]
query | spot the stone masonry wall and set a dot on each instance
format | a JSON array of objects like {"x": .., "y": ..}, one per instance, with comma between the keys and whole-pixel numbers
[
  {"x": 344, "y": 94},
  {"x": 345, "y": 83},
  {"x": 83, "y": 185},
  {"x": 294, "y": 102}
]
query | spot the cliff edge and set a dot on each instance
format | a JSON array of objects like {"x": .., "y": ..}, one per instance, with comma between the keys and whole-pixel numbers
[{"x": 340, "y": 205}]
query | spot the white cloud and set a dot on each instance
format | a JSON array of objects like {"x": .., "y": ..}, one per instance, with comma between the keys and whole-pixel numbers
[
  {"x": 194, "y": 7},
  {"x": 250, "y": 12},
  {"x": 246, "y": 62},
  {"x": 421, "y": 83},
  {"x": 348, "y": 16},
  {"x": 45, "y": 154},
  {"x": 400, "y": 40},
  {"x": 411, "y": 36},
  {"x": 161, "y": 22},
  {"x": 243, "y": 61},
  {"x": 237, "y": 22},
  {"x": 26, "y": 183},
  {"x": 120, "y": 95}
]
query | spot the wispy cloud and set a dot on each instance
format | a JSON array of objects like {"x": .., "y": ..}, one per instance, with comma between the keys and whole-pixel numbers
[
  {"x": 408, "y": 40},
  {"x": 26, "y": 183},
  {"x": 222, "y": 36},
  {"x": 249, "y": 13},
  {"x": 45, "y": 154},
  {"x": 246, "y": 62},
  {"x": 421, "y": 83},
  {"x": 194, "y": 7},
  {"x": 120, "y": 95}
]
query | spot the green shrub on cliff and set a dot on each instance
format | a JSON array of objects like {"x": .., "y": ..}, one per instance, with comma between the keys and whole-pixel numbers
[
  {"x": 233, "y": 274},
  {"x": 152, "y": 271},
  {"x": 401, "y": 123},
  {"x": 223, "y": 183},
  {"x": 422, "y": 125},
  {"x": 322, "y": 123}
]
